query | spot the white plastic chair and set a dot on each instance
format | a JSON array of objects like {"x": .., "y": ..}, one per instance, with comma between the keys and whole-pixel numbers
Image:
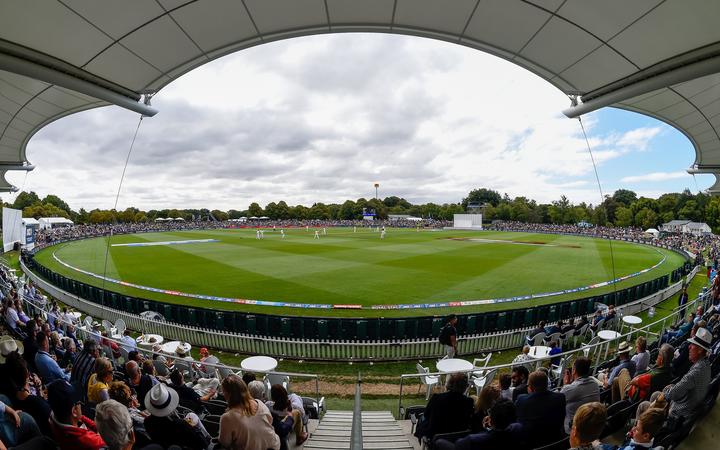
[
  {"x": 581, "y": 333},
  {"x": 273, "y": 378},
  {"x": 479, "y": 365},
  {"x": 484, "y": 380},
  {"x": 556, "y": 371},
  {"x": 120, "y": 327},
  {"x": 554, "y": 337},
  {"x": 537, "y": 339},
  {"x": 428, "y": 380},
  {"x": 587, "y": 347}
]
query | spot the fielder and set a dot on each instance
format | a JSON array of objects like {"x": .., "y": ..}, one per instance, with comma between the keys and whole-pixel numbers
[{"x": 317, "y": 234}]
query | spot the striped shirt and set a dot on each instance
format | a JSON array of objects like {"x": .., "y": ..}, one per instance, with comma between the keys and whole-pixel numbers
[
  {"x": 81, "y": 371},
  {"x": 689, "y": 392}
]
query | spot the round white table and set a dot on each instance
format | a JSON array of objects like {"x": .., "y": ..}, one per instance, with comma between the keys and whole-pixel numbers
[
  {"x": 259, "y": 364},
  {"x": 170, "y": 347},
  {"x": 608, "y": 335},
  {"x": 148, "y": 340},
  {"x": 539, "y": 351},
  {"x": 454, "y": 365},
  {"x": 632, "y": 320}
]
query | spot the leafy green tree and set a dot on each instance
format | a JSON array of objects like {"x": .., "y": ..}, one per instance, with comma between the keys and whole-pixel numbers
[
  {"x": 25, "y": 199},
  {"x": 220, "y": 215},
  {"x": 347, "y": 210},
  {"x": 57, "y": 201},
  {"x": 646, "y": 218},
  {"x": 623, "y": 217},
  {"x": 481, "y": 196},
  {"x": 39, "y": 210},
  {"x": 255, "y": 210},
  {"x": 690, "y": 211},
  {"x": 624, "y": 196}
]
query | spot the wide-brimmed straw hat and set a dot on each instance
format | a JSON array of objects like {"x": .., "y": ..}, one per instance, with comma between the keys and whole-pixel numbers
[
  {"x": 624, "y": 347},
  {"x": 9, "y": 345},
  {"x": 161, "y": 401}
]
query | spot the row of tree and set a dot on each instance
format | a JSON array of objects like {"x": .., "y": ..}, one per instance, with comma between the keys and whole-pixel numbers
[{"x": 623, "y": 209}]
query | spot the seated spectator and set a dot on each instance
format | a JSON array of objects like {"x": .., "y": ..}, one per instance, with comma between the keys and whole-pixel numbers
[
  {"x": 120, "y": 392},
  {"x": 449, "y": 411},
  {"x": 247, "y": 424},
  {"x": 70, "y": 428},
  {"x": 257, "y": 390},
  {"x": 519, "y": 377},
  {"x": 47, "y": 367},
  {"x": 69, "y": 354},
  {"x": 623, "y": 353},
  {"x": 588, "y": 424},
  {"x": 116, "y": 427},
  {"x": 505, "y": 383},
  {"x": 165, "y": 427},
  {"x": 99, "y": 381},
  {"x": 281, "y": 406},
  {"x": 500, "y": 430},
  {"x": 114, "y": 348},
  {"x": 524, "y": 359},
  {"x": 565, "y": 328},
  {"x": 188, "y": 397},
  {"x": 554, "y": 350},
  {"x": 552, "y": 329},
  {"x": 644, "y": 385},
  {"x": 13, "y": 320},
  {"x": 642, "y": 357},
  {"x": 18, "y": 384},
  {"x": 642, "y": 434},
  {"x": 56, "y": 346},
  {"x": 16, "y": 427},
  {"x": 138, "y": 382},
  {"x": 698, "y": 315},
  {"x": 541, "y": 412},
  {"x": 539, "y": 329},
  {"x": 487, "y": 398},
  {"x": 580, "y": 323},
  {"x": 248, "y": 377},
  {"x": 160, "y": 362},
  {"x": 579, "y": 388},
  {"x": 128, "y": 342},
  {"x": 610, "y": 314},
  {"x": 680, "y": 331},
  {"x": 30, "y": 345},
  {"x": 597, "y": 317},
  {"x": 84, "y": 366},
  {"x": 686, "y": 395},
  {"x": 681, "y": 361}
]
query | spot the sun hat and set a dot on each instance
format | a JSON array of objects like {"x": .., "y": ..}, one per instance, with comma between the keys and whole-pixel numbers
[
  {"x": 702, "y": 338},
  {"x": 624, "y": 347},
  {"x": 180, "y": 351},
  {"x": 161, "y": 401},
  {"x": 9, "y": 345}
]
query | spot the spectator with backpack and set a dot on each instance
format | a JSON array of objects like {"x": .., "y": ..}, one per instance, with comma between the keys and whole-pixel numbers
[{"x": 448, "y": 336}]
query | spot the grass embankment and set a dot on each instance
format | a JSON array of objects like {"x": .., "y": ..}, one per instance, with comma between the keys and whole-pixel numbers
[{"x": 359, "y": 268}]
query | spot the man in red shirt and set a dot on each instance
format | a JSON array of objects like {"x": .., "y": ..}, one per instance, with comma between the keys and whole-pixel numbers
[{"x": 71, "y": 430}]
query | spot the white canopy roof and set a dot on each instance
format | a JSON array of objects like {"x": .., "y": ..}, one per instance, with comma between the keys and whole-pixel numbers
[
  {"x": 657, "y": 57},
  {"x": 55, "y": 220}
]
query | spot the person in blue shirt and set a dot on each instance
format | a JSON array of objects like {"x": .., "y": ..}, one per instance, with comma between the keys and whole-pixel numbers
[
  {"x": 47, "y": 367},
  {"x": 623, "y": 353}
]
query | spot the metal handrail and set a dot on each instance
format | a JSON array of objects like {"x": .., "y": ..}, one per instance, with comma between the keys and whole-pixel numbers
[
  {"x": 146, "y": 352},
  {"x": 702, "y": 299},
  {"x": 356, "y": 439}
]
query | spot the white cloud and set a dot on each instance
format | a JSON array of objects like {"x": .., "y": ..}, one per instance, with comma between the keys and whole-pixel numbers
[{"x": 320, "y": 119}]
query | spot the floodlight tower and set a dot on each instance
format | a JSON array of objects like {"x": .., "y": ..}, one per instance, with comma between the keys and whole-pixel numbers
[{"x": 377, "y": 185}]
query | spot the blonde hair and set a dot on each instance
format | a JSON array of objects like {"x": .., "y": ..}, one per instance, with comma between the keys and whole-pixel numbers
[
  {"x": 589, "y": 421},
  {"x": 103, "y": 368}
]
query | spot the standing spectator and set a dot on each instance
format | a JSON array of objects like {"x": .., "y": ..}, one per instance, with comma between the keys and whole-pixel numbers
[
  {"x": 247, "y": 424},
  {"x": 519, "y": 377},
  {"x": 541, "y": 412},
  {"x": 686, "y": 395},
  {"x": 579, "y": 388},
  {"x": 98, "y": 383},
  {"x": 84, "y": 366},
  {"x": 70, "y": 428},
  {"x": 47, "y": 367},
  {"x": 588, "y": 424},
  {"x": 642, "y": 357},
  {"x": 448, "y": 336},
  {"x": 683, "y": 299}
]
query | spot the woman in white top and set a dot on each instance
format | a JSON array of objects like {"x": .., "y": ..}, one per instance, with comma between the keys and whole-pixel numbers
[{"x": 247, "y": 423}]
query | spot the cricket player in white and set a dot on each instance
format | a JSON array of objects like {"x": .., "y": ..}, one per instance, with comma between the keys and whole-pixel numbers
[
  {"x": 257, "y": 234},
  {"x": 317, "y": 234},
  {"x": 382, "y": 233},
  {"x": 282, "y": 234},
  {"x": 324, "y": 232}
]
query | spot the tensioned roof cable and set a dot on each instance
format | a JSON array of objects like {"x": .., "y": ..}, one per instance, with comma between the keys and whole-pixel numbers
[
  {"x": 117, "y": 197},
  {"x": 602, "y": 199}
]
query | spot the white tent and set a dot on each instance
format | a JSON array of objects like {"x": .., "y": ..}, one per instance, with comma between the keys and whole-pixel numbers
[
  {"x": 47, "y": 223},
  {"x": 179, "y": 219},
  {"x": 652, "y": 231}
]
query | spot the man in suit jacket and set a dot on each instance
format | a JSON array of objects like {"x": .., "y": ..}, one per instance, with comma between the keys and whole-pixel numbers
[
  {"x": 541, "y": 412},
  {"x": 448, "y": 412}
]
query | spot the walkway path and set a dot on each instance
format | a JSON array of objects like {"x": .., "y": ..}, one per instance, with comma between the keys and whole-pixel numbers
[{"x": 380, "y": 432}]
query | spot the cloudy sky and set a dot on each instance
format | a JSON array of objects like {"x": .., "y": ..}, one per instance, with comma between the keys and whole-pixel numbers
[{"x": 322, "y": 118}]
